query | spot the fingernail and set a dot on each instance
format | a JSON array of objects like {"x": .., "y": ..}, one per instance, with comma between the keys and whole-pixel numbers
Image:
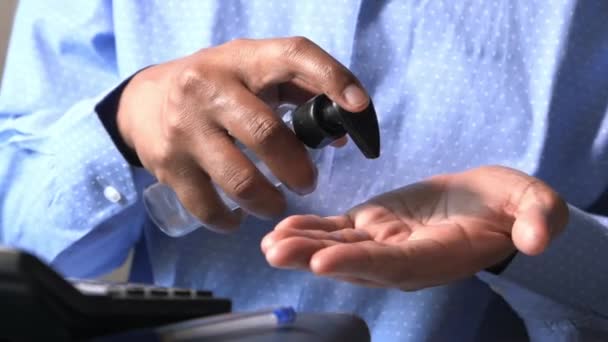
[
  {"x": 266, "y": 243},
  {"x": 355, "y": 96},
  {"x": 307, "y": 190}
]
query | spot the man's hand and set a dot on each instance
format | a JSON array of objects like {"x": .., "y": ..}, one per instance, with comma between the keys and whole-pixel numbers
[
  {"x": 183, "y": 116},
  {"x": 425, "y": 234}
]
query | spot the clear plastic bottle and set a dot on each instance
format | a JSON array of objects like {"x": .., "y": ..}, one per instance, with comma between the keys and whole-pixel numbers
[
  {"x": 170, "y": 216},
  {"x": 316, "y": 123}
]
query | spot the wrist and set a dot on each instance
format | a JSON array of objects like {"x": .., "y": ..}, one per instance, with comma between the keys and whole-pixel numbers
[
  {"x": 138, "y": 100},
  {"x": 115, "y": 123}
]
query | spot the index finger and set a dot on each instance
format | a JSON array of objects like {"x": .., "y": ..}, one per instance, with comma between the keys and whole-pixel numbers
[
  {"x": 254, "y": 124},
  {"x": 300, "y": 60}
]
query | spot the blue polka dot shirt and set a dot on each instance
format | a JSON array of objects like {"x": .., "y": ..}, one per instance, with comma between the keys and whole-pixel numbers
[{"x": 456, "y": 84}]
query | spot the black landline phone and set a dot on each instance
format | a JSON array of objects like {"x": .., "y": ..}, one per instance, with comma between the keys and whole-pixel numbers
[{"x": 39, "y": 304}]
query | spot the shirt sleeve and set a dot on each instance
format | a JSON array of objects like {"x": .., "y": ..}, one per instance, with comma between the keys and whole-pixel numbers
[
  {"x": 66, "y": 193},
  {"x": 566, "y": 287}
]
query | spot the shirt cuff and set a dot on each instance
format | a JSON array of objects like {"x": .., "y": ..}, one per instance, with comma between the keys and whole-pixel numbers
[
  {"x": 76, "y": 184},
  {"x": 94, "y": 181},
  {"x": 572, "y": 271}
]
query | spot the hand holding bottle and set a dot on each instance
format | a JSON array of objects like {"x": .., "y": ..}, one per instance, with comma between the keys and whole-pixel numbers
[
  {"x": 317, "y": 123},
  {"x": 183, "y": 116}
]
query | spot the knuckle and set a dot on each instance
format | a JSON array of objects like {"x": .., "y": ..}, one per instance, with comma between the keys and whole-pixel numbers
[
  {"x": 191, "y": 82},
  {"x": 330, "y": 73},
  {"x": 296, "y": 46},
  {"x": 264, "y": 130},
  {"x": 163, "y": 176},
  {"x": 241, "y": 183},
  {"x": 163, "y": 157},
  {"x": 176, "y": 124},
  {"x": 183, "y": 171},
  {"x": 334, "y": 78},
  {"x": 189, "y": 79},
  {"x": 533, "y": 189}
]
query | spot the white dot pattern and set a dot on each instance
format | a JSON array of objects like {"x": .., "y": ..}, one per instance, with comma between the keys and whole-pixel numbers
[{"x": 456, "y": 85}]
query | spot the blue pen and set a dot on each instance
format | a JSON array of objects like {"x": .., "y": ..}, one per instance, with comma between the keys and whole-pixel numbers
[{"x": 227, "y": 324}]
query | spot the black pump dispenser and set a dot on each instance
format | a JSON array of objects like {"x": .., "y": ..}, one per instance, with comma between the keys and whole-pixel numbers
[{"x": 320, "y": 121}]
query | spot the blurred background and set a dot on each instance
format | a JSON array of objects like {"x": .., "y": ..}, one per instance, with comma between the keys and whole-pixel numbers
[{"x": 7, "y": 10}]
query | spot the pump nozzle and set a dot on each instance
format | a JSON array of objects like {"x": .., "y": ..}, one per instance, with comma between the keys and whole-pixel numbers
[{"x": 320, "y": 121}]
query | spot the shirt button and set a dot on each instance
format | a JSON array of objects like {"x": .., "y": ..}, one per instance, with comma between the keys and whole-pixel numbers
[{"x": 112, "y": 194}]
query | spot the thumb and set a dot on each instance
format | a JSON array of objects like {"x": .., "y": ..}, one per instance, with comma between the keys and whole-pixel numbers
[
  {"x": 540, "y": 216},
  {"x": 531, "y": 232}
]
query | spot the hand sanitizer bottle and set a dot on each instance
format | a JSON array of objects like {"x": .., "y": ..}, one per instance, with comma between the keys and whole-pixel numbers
[{"x": 316, "y": 123}]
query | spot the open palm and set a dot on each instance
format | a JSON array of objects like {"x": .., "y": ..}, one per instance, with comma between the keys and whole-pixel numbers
[{"x": 424, "y": 234}]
